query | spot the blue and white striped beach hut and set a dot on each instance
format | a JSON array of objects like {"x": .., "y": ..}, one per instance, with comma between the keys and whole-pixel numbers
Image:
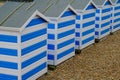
[
  {"x": 115, "y": 15},
  {"x": 103, "y": 18},
  {"x": 61, "y": 32},
  {"x": 85, "y": 22},
  {"x": 23, "y": 42}
]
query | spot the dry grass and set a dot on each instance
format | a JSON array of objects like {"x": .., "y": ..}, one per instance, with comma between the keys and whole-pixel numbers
[{"x": 100, "y": 61}]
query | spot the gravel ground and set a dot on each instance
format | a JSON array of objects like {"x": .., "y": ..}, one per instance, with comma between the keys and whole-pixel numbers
[{"x": 100, "y": 61}]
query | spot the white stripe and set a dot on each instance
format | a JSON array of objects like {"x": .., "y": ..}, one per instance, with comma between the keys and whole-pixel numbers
[
  {"x": 9, "y": 58},
  {"x": 88, "y": 20},
  {"x": 65, "y": 48},
  {"x": 9, "y": 33},
  {"x": 9, "y": 71},
  {"x": 52, "y": 52},
  {"x": 33, "y": 53},
  {"x": 34, "y": 65},
  {"x": 51, "y": 62},
  {"x": 89, "y": 11},
  {"x": 37, "y": 75},
  {"x": 34, "y": 28},
  {"x": 68, "y": 18},
  {"x": 8, "y": 45},
  {"x": 65, "y": 38},
  {"x": 104, "y": 21},
  {"x": 51, "y": 41},
  {"x": 33, "y": 41},
  {"x": 88, "y": 28},
  {"x": 65, "y": 58},
  {"x": 87, "y": 36},
  {"x": 106, "y": 27},
  {"x": 70, "y": 27},
  {"x": 51, "y": 31},
  {"x": 87, "y": 44}
]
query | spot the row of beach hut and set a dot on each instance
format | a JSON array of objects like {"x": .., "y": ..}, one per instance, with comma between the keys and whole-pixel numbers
[{"x": 39, "y": 33}]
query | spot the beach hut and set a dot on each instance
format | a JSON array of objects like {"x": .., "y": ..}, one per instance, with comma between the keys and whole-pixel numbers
[
  {"x": 85, "y": 23},
  {"x": 61, "y": 32},
  {"x": 115, "y": 15},
  {"x": 23, "y": 41},
  {"x": 103, "y": 18}
]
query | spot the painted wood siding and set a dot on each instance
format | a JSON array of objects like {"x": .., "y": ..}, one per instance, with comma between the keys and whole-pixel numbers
[
  {"x": 34, "y": 49},
  {"x": 85, "y": 28},
  {"x": 9, "y": 57},
  {"x": 61, "y": 39},
  {"x": 103, "y": 21},
  {"x": 116, "y": 17}
]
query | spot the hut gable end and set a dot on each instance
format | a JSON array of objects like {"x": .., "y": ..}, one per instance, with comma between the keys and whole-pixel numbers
[
  {"x": 107, "y": 3},
  {"x": 90, "y": 6}
]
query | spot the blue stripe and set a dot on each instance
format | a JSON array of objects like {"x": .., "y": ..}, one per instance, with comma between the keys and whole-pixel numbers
[
  {"x": 87, "y": 40},
  {"x": 65, "y": 24},
  {"x": 36, "y": 21},
  {"x": 78, "y": 17},
  {"x": 106, "y": 10},
  {"x": 88, "y": 23},
  {"x": 8, "y": 77},
  {"x": 9, "y": 52},
  {"x": 64, "y": 34},
  {"x": 117, "y": 8},
  {"x": 96, "y": 25},
  {"x": 105, "y": 24},
  {"x": 59, "y": 56},
  {"x": 117, "y": 20},
  {"x": 66, "y": 43},
  {"x": 32, "y": 35},
  {"x": 91, "y": 6},
  {"x": 105, "y": 31},
  {"x": 51, "y": 36},
  {"x": 97, "y": 10},
  {"x": 34, "y": 59},
  {"x": 77, "y": 25},
  {"x": 34, "y": 71},
  {"x": 51, "y": 26},
  {"x": 77, "y": 34},
  {"x": 116, "y": 14},
  {"x": 106, "y": 17},
  {"x": 51, "y": 46},
  {"x": 50, "y": 57},
  {"x": 77, "y": 43},
  {"x": 8, "y": 38},
  {"x": 96, "y": 33},
  {"x": 118, "y": 1},
  {"x": 88, "y": 32},
  {"x": 107, "y": 3},
  {"x": 97, "y": 18},
  {"x": 68, "y": 13},
  {"x": 116, "y": 26},
  {"x": 86, "y": 16},
  {"x": 10, "y": 65},
  {"x": 33, "y": 47}
]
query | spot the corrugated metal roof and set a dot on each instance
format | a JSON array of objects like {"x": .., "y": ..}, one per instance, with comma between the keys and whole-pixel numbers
[
  {"x": 80, "y": 4},
  {"x": 57, "y": 8},
  {"x": 113, "y": 1},
  {"x": 7, "y": 8},
  {"x": 99, "y": 2},
  {"x": 51, "y": 8},
  {"x": 25, "y": 12}
]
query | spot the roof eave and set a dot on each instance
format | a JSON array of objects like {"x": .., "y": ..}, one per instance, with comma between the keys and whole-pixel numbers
[{"x": 10, "y": 29}]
